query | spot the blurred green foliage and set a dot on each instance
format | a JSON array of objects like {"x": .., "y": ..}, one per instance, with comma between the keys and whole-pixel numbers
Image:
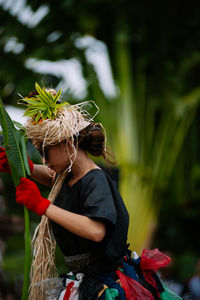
[
  {"x": 163, "y": 40},
  {"x": 163, "y": 54}
]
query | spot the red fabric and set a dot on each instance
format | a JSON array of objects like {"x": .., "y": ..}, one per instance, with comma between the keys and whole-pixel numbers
[
  {"x": 133, "y": 290},
  {"x": 68, "y": 290},
  {"x": 149, "y": 278},
  {"x": 28, "y": 194},
  {"x": 4, "y": 165},
  {"x": 153, "y": 260},
  {"x": 31, "y": 165}
]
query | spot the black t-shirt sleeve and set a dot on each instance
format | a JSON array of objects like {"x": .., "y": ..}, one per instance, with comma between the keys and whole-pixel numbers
[{"x": 97, "y": 200}]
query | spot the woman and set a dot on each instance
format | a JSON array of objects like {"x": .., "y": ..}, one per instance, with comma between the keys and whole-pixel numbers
[{"x": 88, "y": 217}]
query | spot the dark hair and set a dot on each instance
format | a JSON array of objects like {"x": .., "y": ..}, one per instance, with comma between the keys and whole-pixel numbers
[{"x": 92, "y": 140}]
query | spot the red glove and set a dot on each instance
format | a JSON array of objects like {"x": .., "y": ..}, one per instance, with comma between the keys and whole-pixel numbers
[
  {"x": 4, "y": 165},
  {"x": 28, "y": 194}
]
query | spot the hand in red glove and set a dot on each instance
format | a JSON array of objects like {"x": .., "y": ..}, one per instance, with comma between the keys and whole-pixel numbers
[
  {"x": 4, "y": 165},
  {"x": 28, "y": 194}
]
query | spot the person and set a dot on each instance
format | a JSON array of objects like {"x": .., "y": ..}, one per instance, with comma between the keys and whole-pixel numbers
[
  {"x": 168, "y": 277},
  {"x": 192, "y": 285},
  {"x": 88, "y": 217}
]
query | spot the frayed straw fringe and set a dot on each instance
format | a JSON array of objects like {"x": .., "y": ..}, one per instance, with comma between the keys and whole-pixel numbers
[
  {"x": 43, "y": 245},
  {"x": 69, "y": 122}
]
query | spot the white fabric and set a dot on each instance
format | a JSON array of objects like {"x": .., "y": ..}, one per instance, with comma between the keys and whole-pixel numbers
[{"x": 74, "y": 290}]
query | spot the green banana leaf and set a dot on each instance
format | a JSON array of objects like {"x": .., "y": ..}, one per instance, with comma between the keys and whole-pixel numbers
[{"x": 15, "y": 146}]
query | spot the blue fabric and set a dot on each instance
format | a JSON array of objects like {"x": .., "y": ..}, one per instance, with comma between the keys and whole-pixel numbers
[
  {"x": 130, "y": 271},
  {"x": 103, "y": 296}
]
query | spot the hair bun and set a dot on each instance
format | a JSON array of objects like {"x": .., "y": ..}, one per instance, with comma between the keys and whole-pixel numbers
[
  {"x": 92, "y": 140},
  {"x": 95, "y": 140}
]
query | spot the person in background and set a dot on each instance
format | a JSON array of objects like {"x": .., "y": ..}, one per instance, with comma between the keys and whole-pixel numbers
[{"x": 192, "y": 287}]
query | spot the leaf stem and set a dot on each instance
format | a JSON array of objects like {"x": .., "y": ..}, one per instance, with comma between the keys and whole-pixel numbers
[{"x": 27, "y": 260}]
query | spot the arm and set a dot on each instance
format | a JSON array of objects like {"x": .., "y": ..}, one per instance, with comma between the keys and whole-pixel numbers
[
  {"x": 28, "y": 194},
  {"x": 42, "y": 174},
  {"x": 80, "y": 225}
]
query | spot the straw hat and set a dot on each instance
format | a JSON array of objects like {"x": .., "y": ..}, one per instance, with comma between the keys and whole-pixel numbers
[{"x": 51, "y": 121}]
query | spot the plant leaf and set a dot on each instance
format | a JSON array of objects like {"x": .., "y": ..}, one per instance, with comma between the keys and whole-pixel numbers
[
  {"x": 24, "y": 155},
  {"x": 19, "y": 125},
  {"x": 57, "y": 96},
  {"x": 3, "y": 123},
  {"x": 14, "y": 140},
  {"x": 38, "y": 116},
  {"x": 42, "y": 105},
  {"x": 11, "y": 141},
  {"x": 42, "y": 92}
]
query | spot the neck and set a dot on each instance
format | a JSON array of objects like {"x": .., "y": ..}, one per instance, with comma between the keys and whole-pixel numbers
[{"x": 82, "y": 164}]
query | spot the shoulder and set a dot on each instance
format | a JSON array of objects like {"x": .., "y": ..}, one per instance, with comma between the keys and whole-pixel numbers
[
  {"x": 95, "y": 179},
  {"x": 96, "y": 197},
  {"x": 94, "y": 174}
]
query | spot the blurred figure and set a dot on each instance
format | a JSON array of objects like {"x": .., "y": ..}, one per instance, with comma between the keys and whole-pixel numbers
[
  {"x": 167, "y": 276},
  {"x": 192, "y": 287}
]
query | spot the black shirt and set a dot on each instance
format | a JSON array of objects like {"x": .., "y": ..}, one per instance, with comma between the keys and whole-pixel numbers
[{"x": 96, "y": 196}]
